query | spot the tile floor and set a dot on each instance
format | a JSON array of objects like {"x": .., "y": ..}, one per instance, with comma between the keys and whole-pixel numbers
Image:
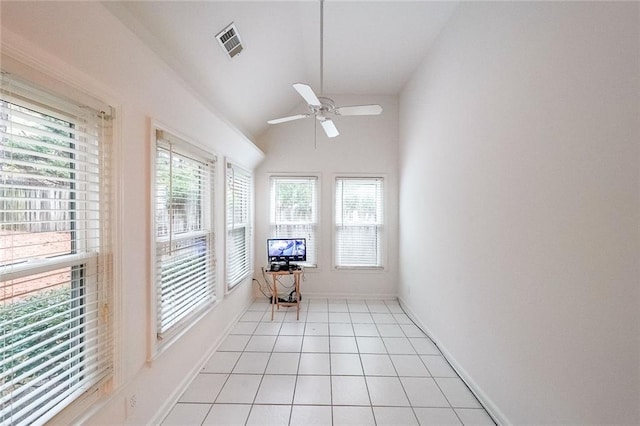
[{"x": 345, "y": 362}]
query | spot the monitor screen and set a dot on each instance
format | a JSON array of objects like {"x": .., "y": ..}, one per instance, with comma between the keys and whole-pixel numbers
[{"x": 287, "y": 250}]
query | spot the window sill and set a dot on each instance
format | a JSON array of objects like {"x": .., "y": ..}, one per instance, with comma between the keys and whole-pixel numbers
[
  {"x": 228, "y": 290},
  {"x": 367, "y": 269},
  {"x": 163, "y": 345}
]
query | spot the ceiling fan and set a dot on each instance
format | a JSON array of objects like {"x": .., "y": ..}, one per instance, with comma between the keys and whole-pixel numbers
[{"x": 323, "y": 108}]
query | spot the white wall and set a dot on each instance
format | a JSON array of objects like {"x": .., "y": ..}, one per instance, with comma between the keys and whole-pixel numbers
[
  {"x": 519, "y": 206},
  {"x": 84, "y": 45},
  {"x": 365, "y": 145}
]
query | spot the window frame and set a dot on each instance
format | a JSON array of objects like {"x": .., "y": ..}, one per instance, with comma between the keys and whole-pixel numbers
[
  {"x": 382, "y": 227},
  {"x": 90, "y": 254},
  {"x": 231, "y": 168},
  {"x": 161, "y": 339},
  {"x": 314, "y": 225}
]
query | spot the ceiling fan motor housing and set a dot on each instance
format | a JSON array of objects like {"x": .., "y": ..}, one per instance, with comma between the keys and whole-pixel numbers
[{"x": 326, "y": 106}]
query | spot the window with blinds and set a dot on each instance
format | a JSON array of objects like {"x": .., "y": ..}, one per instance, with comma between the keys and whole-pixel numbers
[
  {"x": 184, "y": 232},
  {"x": 55, "y": 256},
  {"x": 294, "y": 210},
  {"x": 238, "y": 224},
  {"x": 359, "y": 222}
]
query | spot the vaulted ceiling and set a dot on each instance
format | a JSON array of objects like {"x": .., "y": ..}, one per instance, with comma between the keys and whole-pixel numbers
[{"x": 370, "y": 48}]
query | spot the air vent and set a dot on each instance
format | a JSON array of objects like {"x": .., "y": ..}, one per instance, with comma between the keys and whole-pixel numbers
[{"x": 230, "y": 41}]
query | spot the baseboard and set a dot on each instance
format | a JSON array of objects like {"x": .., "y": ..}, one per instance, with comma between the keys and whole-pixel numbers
[
  {"x": 347, "y": 296},
  {"x": 492, "y": 409},
  {"x": 169, "y": 403}
]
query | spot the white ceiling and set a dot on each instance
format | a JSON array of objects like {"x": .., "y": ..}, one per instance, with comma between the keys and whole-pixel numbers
[{"x": 370, "y": 48}]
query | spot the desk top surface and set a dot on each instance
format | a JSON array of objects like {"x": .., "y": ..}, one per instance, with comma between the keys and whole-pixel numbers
[{"x": 287, "y": 272}]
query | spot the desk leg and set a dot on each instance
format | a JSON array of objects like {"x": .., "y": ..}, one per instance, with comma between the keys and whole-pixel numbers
[
  {"x": 274, "y": 295},
  {"x": 297, "y": 281}
]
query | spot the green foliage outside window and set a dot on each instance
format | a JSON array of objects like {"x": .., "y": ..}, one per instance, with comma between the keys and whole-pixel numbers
[
  {"x": 27, "y": 324},
  {"x": 294, "y": 201}
]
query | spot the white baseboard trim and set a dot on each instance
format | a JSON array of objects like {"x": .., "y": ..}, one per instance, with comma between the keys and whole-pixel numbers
[
  {"x": 491, "y": 408},
  {"x": 347, "y": 296},
  {"x": 166, "y": 407}
]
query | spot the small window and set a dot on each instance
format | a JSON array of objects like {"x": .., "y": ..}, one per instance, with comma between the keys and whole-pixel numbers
[
  {"x": 55, "y": 256},
  {"x": 239, "y": 183},
  {"x": 294, "y": 210},
  {"x": 184, "y": 235},
  {"x": 359, "y": 222}
]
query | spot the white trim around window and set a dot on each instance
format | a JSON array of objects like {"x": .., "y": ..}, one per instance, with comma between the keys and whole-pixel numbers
[
  {"x": 239, "y": 220},
  {"x": 56, "y": 260},
  {"x": 183, "y": 260},
  {"x": 294, "y": 210},
  {"x": 359, "y": 231}
]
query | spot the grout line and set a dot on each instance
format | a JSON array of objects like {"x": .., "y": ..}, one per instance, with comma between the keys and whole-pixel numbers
[
  {"x": 330, "y": 366},
  {"x": 304, "y": 314}
]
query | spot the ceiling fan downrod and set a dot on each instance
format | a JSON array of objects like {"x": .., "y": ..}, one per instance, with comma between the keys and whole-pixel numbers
[{"x": 322, "y": 107}]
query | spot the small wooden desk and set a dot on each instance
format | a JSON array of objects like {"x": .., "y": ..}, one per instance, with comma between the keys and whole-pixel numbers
[{"x": 274, "y": 291}]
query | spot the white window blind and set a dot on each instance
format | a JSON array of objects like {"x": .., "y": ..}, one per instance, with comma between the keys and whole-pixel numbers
[
  {"x": 55, "y": 256},
  {"x": 238, "y": 224},
  {"x": 185, "y": 261},
  {"x": 294, "y": 210},
  {"x": 359, "y": 222}
]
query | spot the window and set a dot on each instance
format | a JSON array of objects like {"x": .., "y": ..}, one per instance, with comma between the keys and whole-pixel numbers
[
  {"x": 294, "y": 210},
  {"x": 184, "y": 236},
  {"x": 359, "y": 222},
  {"x": 55, "y": 260},
  {"x": 238, "y": 224}
]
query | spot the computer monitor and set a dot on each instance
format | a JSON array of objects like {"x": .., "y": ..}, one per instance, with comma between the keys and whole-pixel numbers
[{"x": 286, "y": 250}]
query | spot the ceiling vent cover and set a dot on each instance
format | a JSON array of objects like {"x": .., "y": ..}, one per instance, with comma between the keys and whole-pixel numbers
[{"x": 230, "y": 41}]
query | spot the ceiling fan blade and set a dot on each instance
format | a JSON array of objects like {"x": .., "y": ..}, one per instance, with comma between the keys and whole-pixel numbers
[
  {"x": 359, "y": 110},
  {"x": 285, "y": 119},
  {"x": 329, "y": 128},
  {"x": 307, "y": 93}
]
